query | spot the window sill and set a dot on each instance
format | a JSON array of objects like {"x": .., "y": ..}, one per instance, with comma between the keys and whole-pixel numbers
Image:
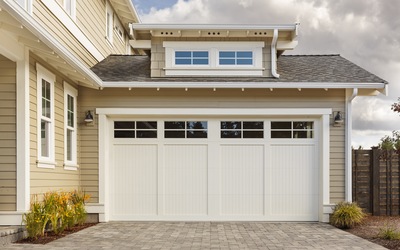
[
  {"x": 46, "y": 164},
  {"x": 71, "y": 167}
]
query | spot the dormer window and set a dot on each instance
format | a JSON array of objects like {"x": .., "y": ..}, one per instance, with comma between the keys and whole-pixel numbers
[
  {"x": 191, "y": 58},
  {"x": 236, "y": 58},
  {"x": 213, "y": 58}
]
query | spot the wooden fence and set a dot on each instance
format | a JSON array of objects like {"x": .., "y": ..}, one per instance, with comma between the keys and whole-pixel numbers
[{"x": 376, "y": 181}]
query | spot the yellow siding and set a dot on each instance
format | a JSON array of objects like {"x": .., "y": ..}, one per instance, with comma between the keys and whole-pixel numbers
[
  {"x": 7, "y": 135},
  {"x": 43, "y": 180},
  {"x": 90, "y": 99},
  {"x": 90, "y": 19}
]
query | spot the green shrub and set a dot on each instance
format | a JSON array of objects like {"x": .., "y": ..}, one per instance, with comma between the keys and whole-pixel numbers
[
  {"x": 389, "y": 233},
  {"x": 37, "y": 219},
  {"x": 346, "y": 215},
  {"x": 57, "y": 211}
]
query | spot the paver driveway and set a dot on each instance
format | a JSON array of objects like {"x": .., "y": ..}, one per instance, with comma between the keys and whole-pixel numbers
[{"x": 207, "y": 235}]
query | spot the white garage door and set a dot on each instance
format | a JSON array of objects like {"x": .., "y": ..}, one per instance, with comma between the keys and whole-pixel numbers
[{"x": 214, "y": 169}]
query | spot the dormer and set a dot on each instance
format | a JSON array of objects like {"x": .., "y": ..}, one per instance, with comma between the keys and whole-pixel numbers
[{"x": 190, "y": 50}]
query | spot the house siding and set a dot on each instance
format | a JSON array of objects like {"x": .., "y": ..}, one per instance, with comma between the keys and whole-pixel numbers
[
  {"x": 158, "y": 52},
  {"x": 90, "y": 99},
  {"x": 42, "y": 179},
  {"x": 7, "y": 135},
  {"x": 90, "y": 19}
]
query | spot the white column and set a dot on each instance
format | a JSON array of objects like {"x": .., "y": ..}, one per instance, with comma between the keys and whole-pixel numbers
[{"x": 23, "y": 138}]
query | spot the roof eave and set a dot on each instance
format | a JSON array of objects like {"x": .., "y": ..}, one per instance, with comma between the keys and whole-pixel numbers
[{"x": 247, "y": 85}]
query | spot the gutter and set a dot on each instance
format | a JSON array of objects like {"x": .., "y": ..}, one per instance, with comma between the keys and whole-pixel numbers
[
  {"x": 36, "y": 29},
  {"x": 348, "y": 155},
  {"x": 273, "y": 54}
]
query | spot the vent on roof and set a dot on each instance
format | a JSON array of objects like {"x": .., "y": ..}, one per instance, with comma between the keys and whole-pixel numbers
[
  {"x": 170, "y": 33},
  {"x": 213, "y": 33}
]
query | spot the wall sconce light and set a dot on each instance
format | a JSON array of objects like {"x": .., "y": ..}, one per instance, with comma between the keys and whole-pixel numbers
[
  {"x": 338, "y": 120},
  {"x": 88, "y": 117}
]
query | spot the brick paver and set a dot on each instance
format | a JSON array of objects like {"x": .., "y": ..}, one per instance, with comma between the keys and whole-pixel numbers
[{"x": 207, "y": 235}]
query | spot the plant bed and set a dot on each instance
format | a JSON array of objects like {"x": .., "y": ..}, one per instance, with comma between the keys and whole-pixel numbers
[
  {"x": 51, "y": 236},
  {"x": 371, "y": 227}
]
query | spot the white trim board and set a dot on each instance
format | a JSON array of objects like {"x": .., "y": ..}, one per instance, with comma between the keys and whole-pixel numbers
[
  {"x": 67, "y": 21},
  {"x": 11, "y": 218}
]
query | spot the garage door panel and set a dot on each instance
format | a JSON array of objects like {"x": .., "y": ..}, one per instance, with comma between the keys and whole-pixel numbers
[
  {"x": 134, "y": 180},
  {"x": 185, "y": 182},
  {"x": 242, "y": 181},
  {"x": 293, "y": 180}
]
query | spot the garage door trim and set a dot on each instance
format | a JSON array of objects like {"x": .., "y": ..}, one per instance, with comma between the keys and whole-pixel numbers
[{"x": 105, "y": 116}]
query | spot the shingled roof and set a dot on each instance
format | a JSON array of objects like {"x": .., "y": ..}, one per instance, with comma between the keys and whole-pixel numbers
[{"x": 292, "y": 68}]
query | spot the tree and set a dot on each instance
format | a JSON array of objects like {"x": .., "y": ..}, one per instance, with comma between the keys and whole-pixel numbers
[{"x": 396, "y": 106}]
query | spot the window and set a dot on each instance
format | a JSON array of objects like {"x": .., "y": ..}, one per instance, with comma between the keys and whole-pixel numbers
[
  {"x": 109, "y": 22},
  {"x": 235, "y": 58},
  {"x": 191, "y": 57},
  {"x": 135, "y": 129},
  {"x": 26, "y": 4},
  {"x": 292, "y": 129},
  {"x": 119, "y": 30},
  {"x": 70, "y": 146},
  {"x": 185, "y": 129},
  {"x": 242, "y": 129},
  {"x": 45, "y": 117},
  {"x": 69, "y": 7},
  {"x": 213, "y": 58}
]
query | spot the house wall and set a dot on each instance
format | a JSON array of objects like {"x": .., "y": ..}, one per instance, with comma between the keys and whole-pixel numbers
[
  {"x": 43, "y": 179},
  {"x": 158, "y": 52},
  {"x": 90, "y": 99},
  {"x": 91, "y": 20},
  {"x": 7, "y": 135}
]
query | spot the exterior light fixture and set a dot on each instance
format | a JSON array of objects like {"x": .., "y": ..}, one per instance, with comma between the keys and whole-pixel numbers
[
  {"x": 338, "y": 120},
  {"x": 88, "y": 117}
]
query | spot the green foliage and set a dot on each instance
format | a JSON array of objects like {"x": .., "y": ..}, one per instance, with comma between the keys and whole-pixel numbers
[
  {"x": 57, "y": 211},
  {"x": 389, "y": 233},
  {"x": 390, "y": 142},
  {"x": 346, "y": 215},
  {"x": 396, "y": 106},
  {"x": 37, "y": 219}
]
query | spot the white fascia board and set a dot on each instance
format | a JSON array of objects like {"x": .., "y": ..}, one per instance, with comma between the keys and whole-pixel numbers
[
  {"x": 283, "y": 27},
  {"x": 214, "y": 111},
  {"x": 246, "y": 85},
  {"x": 132, "y": 8},
  {"x": 33, "y": 26}
]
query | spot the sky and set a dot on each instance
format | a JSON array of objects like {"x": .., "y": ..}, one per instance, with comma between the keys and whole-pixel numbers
[{"x": 366, "y": 32}]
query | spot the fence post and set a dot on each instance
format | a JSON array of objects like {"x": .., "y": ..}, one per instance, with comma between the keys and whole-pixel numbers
[{"x": 375, "y": 181}]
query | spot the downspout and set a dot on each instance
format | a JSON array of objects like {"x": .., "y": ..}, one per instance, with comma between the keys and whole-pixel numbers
[
  {"x": 348, "y": 155},
  {"x": 273, "y": 54}
]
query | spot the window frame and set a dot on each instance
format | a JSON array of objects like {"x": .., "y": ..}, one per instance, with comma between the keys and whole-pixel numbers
[
  {"x": 27, "y": 5},
  {"x": 72, "y": 12},
  {"x": 73, "y": 163},
  {"x": 214, "y": 68},
  {"x": 192, "y": 57},
  {"x": 109, "y": 23},
  {"x": 118, "y": 27},
  {"x": 292, "y": 130},
  {"x": 45, "y": 161}
]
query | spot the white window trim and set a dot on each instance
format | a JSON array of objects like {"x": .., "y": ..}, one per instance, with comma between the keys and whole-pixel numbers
[
  {"x": 27, "y": 6},
  {"x": 45, "y": 162},
  {"x": 73, "y": 9},
  {"x": 213, "y": 68},
  {"x": 73, "y": 164},
  {"x": 118, "y": 26},
  {"x": 109, "y": 26}
]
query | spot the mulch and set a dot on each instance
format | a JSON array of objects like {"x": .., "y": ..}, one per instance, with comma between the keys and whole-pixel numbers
[
  {"x": 371, "y": 226},
  {"x": 50, "y": 236}
]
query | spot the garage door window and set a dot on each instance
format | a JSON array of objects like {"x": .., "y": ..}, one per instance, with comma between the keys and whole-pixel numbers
[
  {"x": 135, "y": 129},
  {"x": 185, "y": 129},
  {"x": 242, "y": 129},
  {"x": 292, "y": 129}
]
